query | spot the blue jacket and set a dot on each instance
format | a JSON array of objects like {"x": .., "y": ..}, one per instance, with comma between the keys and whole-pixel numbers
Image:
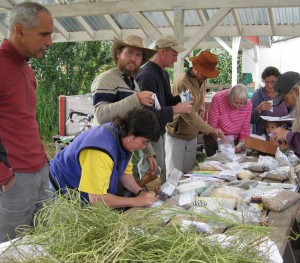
[{"x": 65, "y": 166}]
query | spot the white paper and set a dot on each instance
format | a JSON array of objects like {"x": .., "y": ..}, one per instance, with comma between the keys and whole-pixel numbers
[
  {"x": 283, "y": 118},
  {"x": 271, "y": 101},
  {"x": 157, "y": 105}
]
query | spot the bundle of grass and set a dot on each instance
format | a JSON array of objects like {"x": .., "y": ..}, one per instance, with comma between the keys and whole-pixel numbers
[{"x": 67, "y": 231}]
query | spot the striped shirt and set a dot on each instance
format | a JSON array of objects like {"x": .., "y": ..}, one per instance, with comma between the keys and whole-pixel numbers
[{"x": 231, "y": 121}]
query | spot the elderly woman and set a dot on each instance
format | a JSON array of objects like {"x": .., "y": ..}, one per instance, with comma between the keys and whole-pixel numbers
[
  {"x": 287, "y": 87},
  {"x": 261, "y": 101},
  {"x": 98, "y": 159},
  {"x": 230, "y": 111}
]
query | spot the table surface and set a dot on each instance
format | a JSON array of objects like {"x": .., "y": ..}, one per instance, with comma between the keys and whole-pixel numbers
[{"x": 285, "y": 221}]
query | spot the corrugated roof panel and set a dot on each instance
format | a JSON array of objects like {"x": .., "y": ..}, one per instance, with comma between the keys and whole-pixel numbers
[
  {"x": 253, "y": 16},
  {"x": 4, "y": 19},
  {"x": 125, "y": 21},
  {"x": 70, "y": 24},
  {"x": 228, "y": 20},
  {"x": 96, "y": 22},
  {"x": 287, "y": 16},
  {"x": 48, "y": 2},
  {"x": 158, "y": 19},
  {"x": 191, "y": 18}
]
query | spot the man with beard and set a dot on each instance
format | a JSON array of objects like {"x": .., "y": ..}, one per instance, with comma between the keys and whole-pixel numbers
[
  {"x": 23, "y": 166},
  {"x": 115, "y": 91}
]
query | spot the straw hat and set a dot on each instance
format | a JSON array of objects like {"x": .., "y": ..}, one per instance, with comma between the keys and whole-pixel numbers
[
  {"x": 206, "y": 64},
  {"x": 132, "y": 41}
]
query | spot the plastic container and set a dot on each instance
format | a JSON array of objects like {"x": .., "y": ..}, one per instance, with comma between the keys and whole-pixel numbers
[{"x": 256, "y": 203}]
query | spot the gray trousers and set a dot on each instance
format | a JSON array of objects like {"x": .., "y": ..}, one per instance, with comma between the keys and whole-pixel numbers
[
  {"x": 22, "y": 200},
  {"x": 180, "y": 154}
]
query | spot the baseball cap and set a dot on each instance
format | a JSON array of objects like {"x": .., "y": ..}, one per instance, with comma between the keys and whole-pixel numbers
[
  {"x": 169, "y": 41},
  {"x": 284, "y": 83}
]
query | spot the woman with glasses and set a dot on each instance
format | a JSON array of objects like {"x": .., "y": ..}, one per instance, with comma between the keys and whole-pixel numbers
[
  {"x": 262, "y": 104},
  {"x": 230, "y": 111},
  {"x": 287, "y": 87},
  {"x": 100, "y": 158}
]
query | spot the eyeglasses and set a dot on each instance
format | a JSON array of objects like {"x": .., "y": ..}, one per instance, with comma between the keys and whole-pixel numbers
[{"x": 132, "y": 54}]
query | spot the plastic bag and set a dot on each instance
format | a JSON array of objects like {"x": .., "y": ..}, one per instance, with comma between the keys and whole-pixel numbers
[
  {"x": 279, "y": 174},
  {"x": 279, "y": 199},
  {"x": 169, "y": 187},
  {"x": 226, "y": 146},
  {"x": 268, "y": 161},
  {"x": 281, "y": 158},
  {"x": 245, "y": 174}
]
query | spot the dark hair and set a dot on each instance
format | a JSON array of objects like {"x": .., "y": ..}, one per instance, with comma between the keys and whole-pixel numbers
[
  {"x": 138, "y": 122},
  {"x": 270, "y": 71}
]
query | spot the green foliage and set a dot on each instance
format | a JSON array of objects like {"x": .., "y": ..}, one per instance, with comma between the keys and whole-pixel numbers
[
  {"x": 67, "y": 69},
  {"x": 70, "y": 68},
  {"x": 225, "y": 67}
]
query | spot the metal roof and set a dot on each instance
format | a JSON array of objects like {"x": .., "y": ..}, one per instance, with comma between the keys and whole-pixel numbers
[{"x": 196, "y": 23}]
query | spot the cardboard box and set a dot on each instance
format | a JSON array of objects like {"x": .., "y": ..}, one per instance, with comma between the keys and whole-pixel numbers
[{"x": 255, "y": 143}]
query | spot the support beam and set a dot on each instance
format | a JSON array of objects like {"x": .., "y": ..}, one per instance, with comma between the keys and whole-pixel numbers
[
  {"x": 61, "y": 30},
  {"x": 224, "y": 45},
  {"x": 148, "y": 27},
  {"x": 86, "y": 26},
  {"x": 235, "y": 49},
  {"x": 179, "y": 35},
  {"x": 113, "y": 25},
  {"x": 205, "y": 30},
  {"x": 256, "y": 66},
  {"x": 122, "y": 6}
]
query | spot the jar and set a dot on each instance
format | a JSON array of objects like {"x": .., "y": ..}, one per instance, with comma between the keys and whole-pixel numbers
[{"x": 256, "y": 203}]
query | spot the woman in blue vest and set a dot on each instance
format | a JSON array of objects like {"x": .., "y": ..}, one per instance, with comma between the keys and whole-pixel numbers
[{"x": 98, "y": 159}]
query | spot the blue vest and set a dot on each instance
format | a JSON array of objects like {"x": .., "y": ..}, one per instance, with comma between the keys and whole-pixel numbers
[{"x": 65, "y": 166}]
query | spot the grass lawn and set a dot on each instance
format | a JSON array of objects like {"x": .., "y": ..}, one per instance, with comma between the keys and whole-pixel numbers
[{"x": 50, "y": 148}]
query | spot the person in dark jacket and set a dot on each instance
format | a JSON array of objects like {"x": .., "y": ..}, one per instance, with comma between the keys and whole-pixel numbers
[
  {"x": 287, "y": 87},
  {"x": 23, "y": 165},
  {"x": 99, "y": 158},
  {"x": 153, "y": 77}
]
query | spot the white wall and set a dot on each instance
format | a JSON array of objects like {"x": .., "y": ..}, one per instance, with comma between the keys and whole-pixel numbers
[{"x": 284, "y": 55}]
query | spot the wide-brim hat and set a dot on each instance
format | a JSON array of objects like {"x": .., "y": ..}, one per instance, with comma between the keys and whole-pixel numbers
[
  {"x": 132, "y": 41},
  {"x": 284, "y": 83},
  {"x": 206, "y": 64}
]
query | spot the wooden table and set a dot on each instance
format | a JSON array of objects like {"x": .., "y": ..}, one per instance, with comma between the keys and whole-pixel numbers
[{"x": 286, "y": 223}]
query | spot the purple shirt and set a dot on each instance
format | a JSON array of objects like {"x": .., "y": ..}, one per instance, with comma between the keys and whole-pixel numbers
[
  {"x": 259, "y": 96},
  {"x": 293, "y": 140}
]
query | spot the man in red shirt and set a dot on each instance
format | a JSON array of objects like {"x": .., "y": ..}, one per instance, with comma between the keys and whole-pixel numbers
[{"x": 23, "y": 165}]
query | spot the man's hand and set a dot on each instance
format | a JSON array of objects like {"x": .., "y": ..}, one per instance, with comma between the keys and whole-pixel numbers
[
  {"x": 152, "y": 164},
  {"x": 182, "y": 107},
  {"x": 145, "y": 98},
  {"x": 216, "y": 133}
]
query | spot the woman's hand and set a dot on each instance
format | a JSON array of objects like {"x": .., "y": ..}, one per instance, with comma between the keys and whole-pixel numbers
[
  {"x": 240, "y": 147},
  {"x": 145, "y": 198},
  {"x": 264, "y": 105}
]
